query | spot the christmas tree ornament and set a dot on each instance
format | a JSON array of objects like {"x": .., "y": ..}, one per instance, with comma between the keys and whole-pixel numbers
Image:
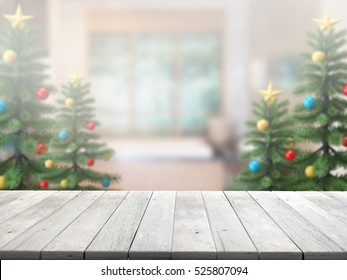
[
  {"x": 309, "y": 102},
  {"x": 325, "y": 24},
  {"x": 49, "y": 163},
  {"x": 64, "y": 183},
  {"x": 3, "y": 106},
  {"x": 270, "y": 94},
  {"x": 91, "y": 126},
  {"x": 106, "y": 157},
  {"x": 63, "y": 134},
  {"x": 262, "y": 125},
  {"x": 43, "y": 185},
  {"x": 290, "y": 155},
  {"x": 254, "y": 166},
  {"x": 290, "y": 143},
  {"x": 2, "y": 182},
  {"x": 42, "y": 93},
  {"x": 69, "y": 102},
  {"x": 344, "y": 89},
  {"x": 18, "y": 20},
  {"x": 75, "y": 79},
  {"x": 344, "y": 141},
  {"x": 309, "y": 171},
  {"x": 9, "y": 56},
  {"x": 318, "y": 57},
  {"x": 106, "y": 183},
  {"x": 90, "y": 161},
  {"x": 41, "y": 148}
]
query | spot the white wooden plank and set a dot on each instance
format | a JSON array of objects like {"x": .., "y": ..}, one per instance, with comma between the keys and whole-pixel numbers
[
  {"x": 267, "y": 236},
  {"x": 230, "y": 238},
  {"x": 326, "y": 223},
  {"x": 23, "y": 201},
  {"x": 312, "y": 242},
  {"x": 115, "y": 238},
  {"x": 8, "y": 196},
  {"x": 21, "y": 222},
  {"x": 74, "y": 240},
  {"x": 154, "y": 236},
  {"x": 341, "y": 196},
  {"x": 333, "y": 206},
  {"x": 29, "y": 244},
  {"x": 192, "y": 236}
]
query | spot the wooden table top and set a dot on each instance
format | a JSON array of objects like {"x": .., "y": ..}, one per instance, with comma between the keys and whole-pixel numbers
[{"x": 172, "y": 225}]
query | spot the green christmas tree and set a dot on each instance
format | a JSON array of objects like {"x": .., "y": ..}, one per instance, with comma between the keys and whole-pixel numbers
[
  {"x": 271, "y": 142},
  {"x": 321, "y": 119},
  {"x": 24, "y": 116},
  {"x": 75, "y": 147}
]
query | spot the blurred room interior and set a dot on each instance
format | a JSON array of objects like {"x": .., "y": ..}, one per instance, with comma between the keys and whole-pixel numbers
[{"x": 174, "y": 80}]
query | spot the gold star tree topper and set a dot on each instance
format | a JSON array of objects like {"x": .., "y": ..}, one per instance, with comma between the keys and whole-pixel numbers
[
  {"x": 76, "y": 78},
  {"x": 270, "y": 94},
  {"x": 325, "y": 24},
  {"x": 18, "y": 20}
]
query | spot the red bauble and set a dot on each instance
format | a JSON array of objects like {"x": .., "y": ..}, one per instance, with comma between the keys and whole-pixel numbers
[
  {"x": 43, "y": 185},
  {"x": 90, "y": 126},
  {"x": 41, "y": 148},
  {"x": 42, "y": 93},
  {"x": 290, "y": 155},
  {"x": 90, "y": 161},
  {"x": 344, "y": 141},
  {"x": 344, "y": 89}
]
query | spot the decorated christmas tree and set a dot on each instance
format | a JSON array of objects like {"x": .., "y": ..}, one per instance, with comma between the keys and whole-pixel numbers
[
  {"x": 271, "y": 146},
  {"x": 321, "y": 118},
  {"x": 75, "y": 146},
  {"x": 24, "y": 122}
]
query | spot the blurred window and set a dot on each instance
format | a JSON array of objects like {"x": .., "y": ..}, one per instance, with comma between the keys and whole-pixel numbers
[{"x": 156, "y": 83}]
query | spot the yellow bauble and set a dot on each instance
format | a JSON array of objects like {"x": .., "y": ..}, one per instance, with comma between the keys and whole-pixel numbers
[
  {"x": 290, "y": 144},
  {"x": 106, "y": 157},
  {"x": 309, "y": 171},
  {"x": 49, "y": 163},
  {"x": 9, "y": 56},
  {"x": 2, "y": 183},
  {"x": 318, "y": 57},
  {"x": 262, "y": 125},
  {"x": 69, "y": 102},
  {"x": 63, "y": 184}
]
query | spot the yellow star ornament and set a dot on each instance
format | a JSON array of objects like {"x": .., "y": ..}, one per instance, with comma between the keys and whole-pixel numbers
[
  {"x": 325, "y": 24},
  {"x": 270, "y": 94},
  {"x": 18, "y": 20},
  {"x": 76, "y": 79}
]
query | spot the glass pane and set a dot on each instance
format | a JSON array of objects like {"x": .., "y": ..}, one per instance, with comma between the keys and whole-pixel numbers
[
  {"x": 154, "y": 84},
  {"x": 110, "y": 70},
  {"x": 200, "y": 71}
]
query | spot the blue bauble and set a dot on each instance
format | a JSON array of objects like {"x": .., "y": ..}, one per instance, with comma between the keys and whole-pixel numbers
[
  {"x": 309, "y": 102},
  {"x": 254, "y": 166},
  {"x": 63, "y": 134},
  {"x": 3, "y": 106},
  {"x": 106, "y": 183}
]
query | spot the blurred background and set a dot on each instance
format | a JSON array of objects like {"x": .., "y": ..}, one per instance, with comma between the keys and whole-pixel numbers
[{"x": 174, "y": 80}]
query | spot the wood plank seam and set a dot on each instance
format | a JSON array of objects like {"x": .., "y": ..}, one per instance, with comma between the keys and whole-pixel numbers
[
  {"x": 173, "y": 221},
  {"x": 71, "y": 223},
  {"x": 242, "y": 225},
  {"x": 84, "y": 253},
  {"x": 278, "y": 225},
  {"x": 209, "y": 224},
  {"x": 143, "y": 214}
]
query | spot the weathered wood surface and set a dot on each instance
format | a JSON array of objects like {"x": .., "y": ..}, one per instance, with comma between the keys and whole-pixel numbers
[
  {"x": 269, "y": 239},
  {"x": 172, "y": 225}
]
